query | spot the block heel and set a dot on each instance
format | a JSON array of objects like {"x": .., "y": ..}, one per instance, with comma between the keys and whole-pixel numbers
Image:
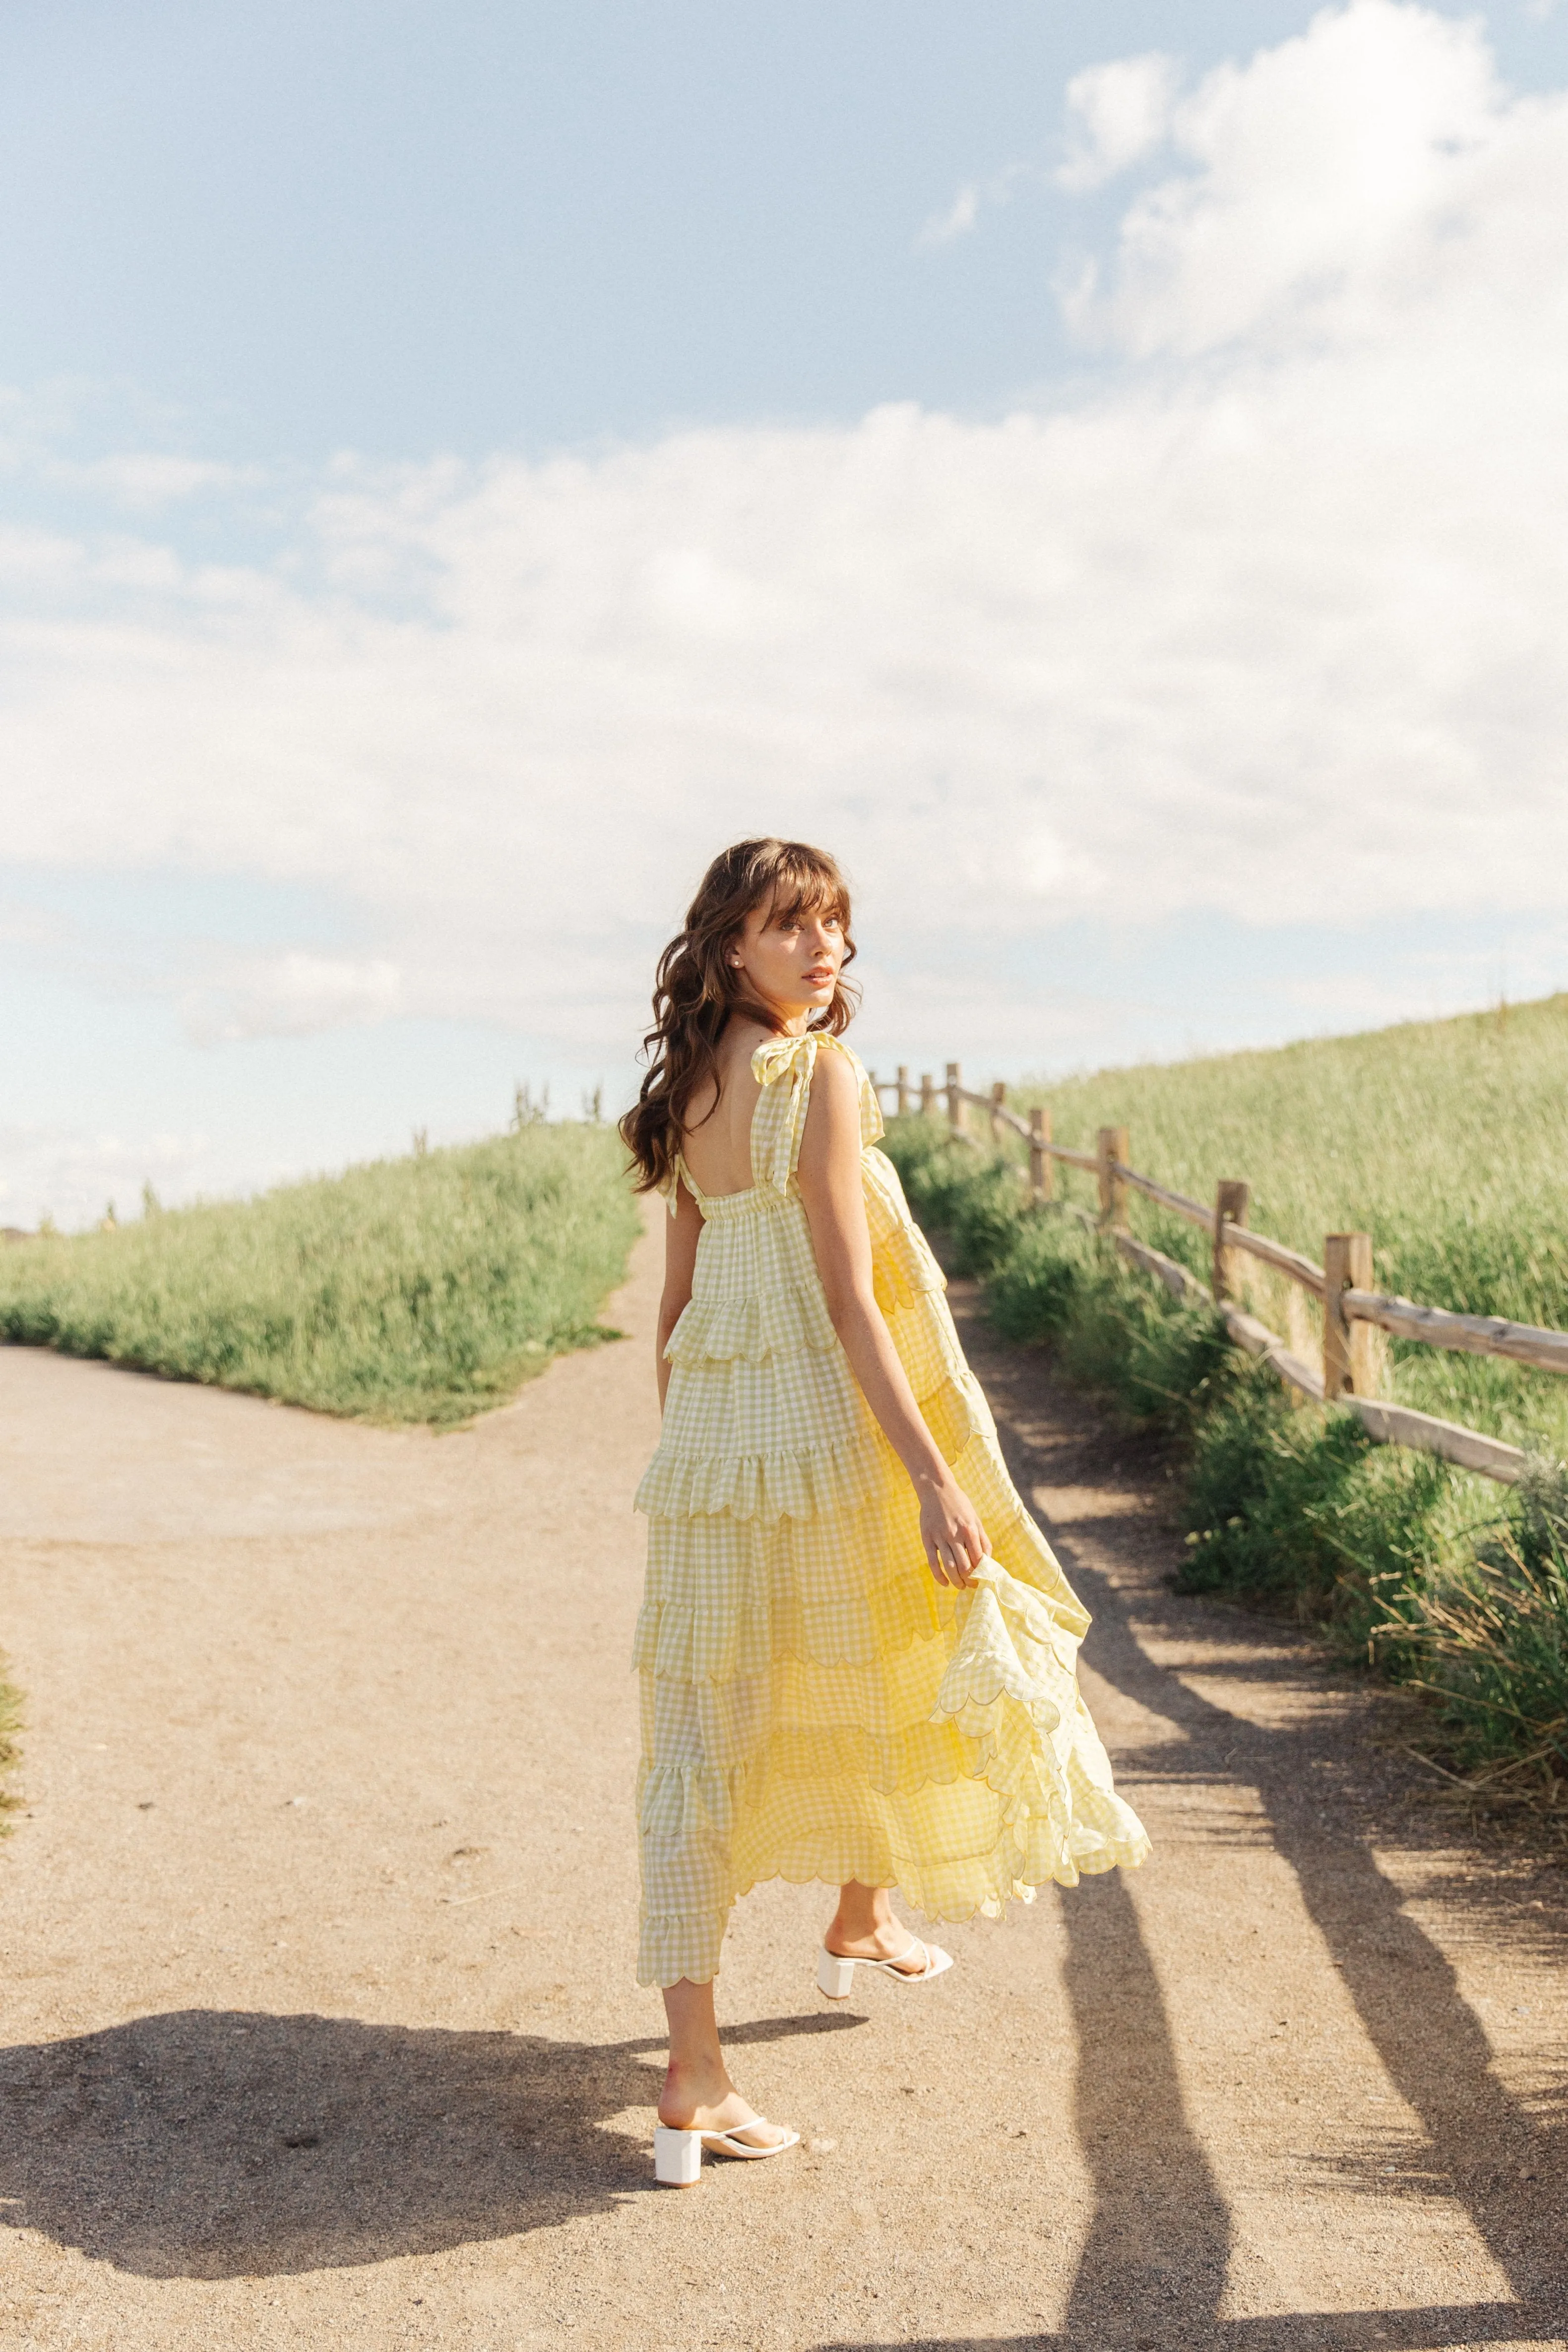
[
  {"x": 677, "y": 2158},
  {"x": 677, "y": 2155},
  {"x": 835, "y": 1977}
]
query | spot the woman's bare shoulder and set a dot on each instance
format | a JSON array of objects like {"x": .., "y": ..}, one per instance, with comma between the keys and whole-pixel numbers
[
  {"x": 835, "y": 1076},
  {"x": 833, "y": 1110}
]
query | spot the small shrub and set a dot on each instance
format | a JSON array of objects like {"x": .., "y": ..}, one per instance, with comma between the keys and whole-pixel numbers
[
  {"x": 1488, "y": 1635},
  {"x": 1298, "y": 1508},
  {"x": 1039, "y": 1292},
  {"x": 988, "y": 1218}
]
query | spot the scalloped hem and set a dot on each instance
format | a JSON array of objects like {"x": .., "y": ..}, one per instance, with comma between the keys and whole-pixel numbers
[
  {"x": 995, "y": 1905},
  {"x": 1128, "y": 1854}
]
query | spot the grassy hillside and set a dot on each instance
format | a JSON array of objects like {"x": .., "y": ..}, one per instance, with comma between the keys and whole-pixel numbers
[
  {"x": 1447, "y": 1140},
  {"x": 412, "y": 1290}
]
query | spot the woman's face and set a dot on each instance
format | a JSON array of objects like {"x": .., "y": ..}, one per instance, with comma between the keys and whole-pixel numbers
[{"x": 791, "y": 961}]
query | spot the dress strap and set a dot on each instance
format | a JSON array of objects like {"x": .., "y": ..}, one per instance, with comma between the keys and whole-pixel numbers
[
  {"x": 670, "y": 1186},
  {"x": 783, "y": 1067}
]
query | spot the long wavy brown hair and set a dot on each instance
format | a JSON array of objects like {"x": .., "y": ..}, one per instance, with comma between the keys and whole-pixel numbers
[{"x": 696, "y": 989}]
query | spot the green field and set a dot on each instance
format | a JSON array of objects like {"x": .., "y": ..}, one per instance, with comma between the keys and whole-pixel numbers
[
  {"x": 1446, "y": 1141},
  {"x": 412, "y": 1290}
]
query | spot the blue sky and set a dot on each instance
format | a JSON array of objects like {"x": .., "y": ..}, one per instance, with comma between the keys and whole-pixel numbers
[{"x": 460, "y": 464}]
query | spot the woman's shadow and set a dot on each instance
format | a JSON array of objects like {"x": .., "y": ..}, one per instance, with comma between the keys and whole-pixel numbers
[{"x": 223, "y": 2142}]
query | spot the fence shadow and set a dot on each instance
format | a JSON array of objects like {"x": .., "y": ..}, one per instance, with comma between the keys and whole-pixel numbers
[
  {"x": 1438, "y": 2327},
  {"x": 1504, "y": 2163},
  {"x": 1152, "y": 2268},
  {"x": 218, "y": 2143}
]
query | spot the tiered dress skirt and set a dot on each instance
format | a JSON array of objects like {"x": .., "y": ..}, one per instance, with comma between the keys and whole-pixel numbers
[{"x": 814, "y": 1705}]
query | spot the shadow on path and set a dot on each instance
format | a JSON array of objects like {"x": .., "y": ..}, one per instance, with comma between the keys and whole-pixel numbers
[
  {"x": 1152, "y": 2269},
  {"x": 1506, "y": 2166},
  {"x": 219, "y": 2144},
  {"x": 1160, "y": 2237},
  {"x": 1439, "y": 2328}
]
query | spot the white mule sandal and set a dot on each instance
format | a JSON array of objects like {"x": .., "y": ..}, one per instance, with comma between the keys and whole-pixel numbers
[
  {"x": 677, "y": 2155},
  {"x": 835, "y": 1975}
]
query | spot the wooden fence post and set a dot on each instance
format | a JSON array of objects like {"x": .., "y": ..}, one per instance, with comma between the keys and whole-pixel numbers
[
  {"x": 927, "y": 1093},
  {"x": 1232, "y": 1201},
  {"x": 903, "y": 1088},
  {"x": 998, "y": 1104},
  {"x": 955, "y": 1099},
  {"x": 1347, "y": 1346},
  {"x": 1113, "y": 1145},
  {"x": 1042, "y": 1173}
]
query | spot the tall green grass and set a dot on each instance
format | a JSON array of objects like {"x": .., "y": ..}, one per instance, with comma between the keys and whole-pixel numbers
[
  {"x": 412, "y": 1290},
  {"x": 1446, "y": 1141},
  {"x": 1453, "y": 1586}
]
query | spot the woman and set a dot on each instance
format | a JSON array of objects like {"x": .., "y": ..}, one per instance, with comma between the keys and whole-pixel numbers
[{"x": 857, "y": 1653}]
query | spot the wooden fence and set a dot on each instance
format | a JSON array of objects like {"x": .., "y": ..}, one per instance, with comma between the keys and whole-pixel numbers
[{"x": 1342, "y": 1285}]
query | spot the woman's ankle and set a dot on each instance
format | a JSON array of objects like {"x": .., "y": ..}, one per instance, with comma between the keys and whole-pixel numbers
[
  {"x": 864, "y": 1914},
  {"x": 693, "y": 2089},
  {"x": 703, "y": 2081}
]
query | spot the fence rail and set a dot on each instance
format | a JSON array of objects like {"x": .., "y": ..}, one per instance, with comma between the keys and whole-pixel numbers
[
  {"x": 1343, "y": 1284},
  {"x": 1472, "y": 1335}
]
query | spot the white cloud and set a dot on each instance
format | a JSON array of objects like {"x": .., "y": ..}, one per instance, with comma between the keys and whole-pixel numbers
[
  {"x": 291, "y": 995},
  {"x": 1269, "y": 624},
  {"x": 1120, "y": 112},
  {"x": 146, "y": 480},
  {"x": 946, "y": 228},
  {"x": 1371, "y": 169},
  {"x": 976, "y": 196}
]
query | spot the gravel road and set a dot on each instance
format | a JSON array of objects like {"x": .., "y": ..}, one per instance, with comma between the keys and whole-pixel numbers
[{"x": 316, "y": 1936}]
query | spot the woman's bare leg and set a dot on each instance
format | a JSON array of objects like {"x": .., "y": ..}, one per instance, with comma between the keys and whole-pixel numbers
[
  {"x": 864, "y": 1928},
  {"x": 698, "y": 2093}
]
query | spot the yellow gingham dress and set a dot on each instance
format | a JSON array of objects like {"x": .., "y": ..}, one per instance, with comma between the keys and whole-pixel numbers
[{"x": 814, "y": 1705}]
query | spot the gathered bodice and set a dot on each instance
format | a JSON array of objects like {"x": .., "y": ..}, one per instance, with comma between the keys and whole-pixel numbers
[{"x": 783, "y": 1067}]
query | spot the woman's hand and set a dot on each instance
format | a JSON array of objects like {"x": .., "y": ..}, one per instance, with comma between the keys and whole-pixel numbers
[{"x": 955, "y": 1542}]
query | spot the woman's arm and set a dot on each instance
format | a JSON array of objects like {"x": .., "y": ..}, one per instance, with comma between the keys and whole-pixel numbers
[
  {"x": 835, "y": 1203},
  {"x": 681, "y": 1235}
]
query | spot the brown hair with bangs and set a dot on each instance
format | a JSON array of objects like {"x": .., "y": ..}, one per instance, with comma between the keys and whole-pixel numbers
[{"x": 696, "y": 989}]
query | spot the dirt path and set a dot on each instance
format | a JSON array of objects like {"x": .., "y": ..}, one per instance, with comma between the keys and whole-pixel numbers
[{"x": 315, "y": 1941}]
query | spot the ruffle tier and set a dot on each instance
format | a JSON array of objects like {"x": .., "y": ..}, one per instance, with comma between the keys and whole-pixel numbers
[
  {"x": 759, "y": 1430},
  {"x": 750, "y": 1327},
  {"x": 999, "y": 1787},
  {"x": 816, "y": 1482}
]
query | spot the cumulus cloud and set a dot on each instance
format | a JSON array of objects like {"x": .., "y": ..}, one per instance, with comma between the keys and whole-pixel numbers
[
  {"x": 1269, "y": 624},
  {"x": 1119, "y": 113},
  {"x": 1369, "y": 173}
]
